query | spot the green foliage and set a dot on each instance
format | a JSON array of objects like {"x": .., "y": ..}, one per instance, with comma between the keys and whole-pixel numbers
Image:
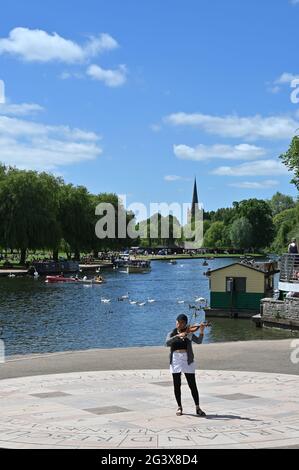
[
  {"x": 40, "y": 211},
  {"x": 215, "y": 236},
  {"x": 259, "y": 214},
  {"x": 241, "y": 234},
  {"x": 291, "y": 160},
  {"x": 280, "y": 202}
]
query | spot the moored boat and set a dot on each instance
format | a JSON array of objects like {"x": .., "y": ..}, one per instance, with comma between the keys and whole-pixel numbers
[
  {"x": 138, "y": 267},
  {"x": 53, "y": 279}
]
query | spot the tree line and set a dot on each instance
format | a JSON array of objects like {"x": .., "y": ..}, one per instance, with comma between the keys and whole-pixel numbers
[{"x": 40, "y": 211}]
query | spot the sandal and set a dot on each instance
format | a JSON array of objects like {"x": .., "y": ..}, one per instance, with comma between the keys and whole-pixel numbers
[
  {"x": 179, "y": 411},
  {"x": 200, "y": 413}
]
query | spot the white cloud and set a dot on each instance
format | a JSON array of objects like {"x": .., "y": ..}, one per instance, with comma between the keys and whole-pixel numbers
[
  {"x": 32, "y": 145},
  {"x": 35, "y": 45},
  {"x": 172, "y": 178},
  {"x": 111, "y": 78},
  {"x": 20, "y": 109},
  {"x": 234, "y": 126},
  {"x": 255, "y": 185},
  {"x": 232, "y": 152},
  {"x": 2, "y": 92},
  {"x": 257, "y": 168},
  {"x": 285, "y": 79},
  {"x": 294, "y": 2}
]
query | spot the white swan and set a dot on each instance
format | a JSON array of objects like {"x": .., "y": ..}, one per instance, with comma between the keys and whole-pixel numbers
[
  {"x": 141, "y": 304},
  {"x": 151, "y": 301},
  {"x": 181, "y": 301},
  {"x": 105, "y": 301},
  {"x": 133, "y": 302},
  {"x": 201, "y": 300},
  {"x": 11, "y": 275}
]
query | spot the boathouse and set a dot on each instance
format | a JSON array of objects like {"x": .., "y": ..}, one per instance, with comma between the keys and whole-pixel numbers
[{"x": 236, "y": 290}]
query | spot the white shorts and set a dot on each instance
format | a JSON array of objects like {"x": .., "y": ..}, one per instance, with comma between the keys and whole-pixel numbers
[{"x": 180, "y": 364}]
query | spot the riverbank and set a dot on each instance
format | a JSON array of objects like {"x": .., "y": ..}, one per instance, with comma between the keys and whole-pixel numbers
[
  {"x": 256, "y": 356},
  {"x": 201, "y": 256}
]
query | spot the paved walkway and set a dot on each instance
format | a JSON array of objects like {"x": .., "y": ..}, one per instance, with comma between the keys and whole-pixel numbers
[
  {"x": 123, "y": 398},
  {"x": 254, "y": 356},
  {"x": 136, "y": 409}
]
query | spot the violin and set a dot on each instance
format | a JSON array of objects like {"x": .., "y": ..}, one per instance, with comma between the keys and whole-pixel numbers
[{"x": 194, "y": 328}]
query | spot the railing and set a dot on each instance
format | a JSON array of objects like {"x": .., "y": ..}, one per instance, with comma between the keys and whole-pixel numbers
[{"x": 289, "y": 268}]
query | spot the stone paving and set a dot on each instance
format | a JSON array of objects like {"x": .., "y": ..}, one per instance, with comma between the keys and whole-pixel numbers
[{"x": 136, "y": 409}]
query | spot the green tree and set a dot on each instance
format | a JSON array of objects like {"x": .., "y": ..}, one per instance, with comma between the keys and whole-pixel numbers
[
  {"x": 75, "y": 218},
  {"x": 259, "y": 214},
  {"x": 291, "y": 159},
  {"x": 281, "y": 202},
  {"x": 28, "y": 211},
  {"x": 241, "y": 234},
  {"x": 215, "y": 236}
]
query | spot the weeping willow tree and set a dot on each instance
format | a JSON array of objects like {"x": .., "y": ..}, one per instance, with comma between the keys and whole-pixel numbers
[{"x": 29, "y": 207}]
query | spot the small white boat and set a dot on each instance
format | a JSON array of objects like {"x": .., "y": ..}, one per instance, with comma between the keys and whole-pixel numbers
[
  {"x": 105, "y": 301},
  {"x": 181, "y": 301},
  {"x": 200, "y": 300}
]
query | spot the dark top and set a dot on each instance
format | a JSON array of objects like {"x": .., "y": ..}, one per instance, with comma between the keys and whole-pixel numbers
[
  {"x": 172, "y": 340},
  {"x": 178, "y": 343},
  {"x": 293, "y": 249}
]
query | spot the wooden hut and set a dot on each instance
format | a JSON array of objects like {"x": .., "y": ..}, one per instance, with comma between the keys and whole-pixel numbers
[{"x": 236, "y": 290}]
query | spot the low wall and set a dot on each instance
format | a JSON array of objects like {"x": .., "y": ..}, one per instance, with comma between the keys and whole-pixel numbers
[{"x": 286, "y": 311}]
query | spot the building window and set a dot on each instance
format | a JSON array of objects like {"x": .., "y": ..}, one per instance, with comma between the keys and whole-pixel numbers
[{"x": 238, "y": 285}]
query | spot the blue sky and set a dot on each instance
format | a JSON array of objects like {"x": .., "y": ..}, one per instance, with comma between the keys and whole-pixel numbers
[{"x": 138, "y": 97}]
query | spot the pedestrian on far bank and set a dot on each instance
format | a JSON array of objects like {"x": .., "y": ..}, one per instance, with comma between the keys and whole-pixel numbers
[{"x": 293, "y": 247}]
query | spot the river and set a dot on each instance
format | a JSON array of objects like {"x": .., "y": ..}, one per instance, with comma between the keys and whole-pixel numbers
[{"x": 36, "y": 317}]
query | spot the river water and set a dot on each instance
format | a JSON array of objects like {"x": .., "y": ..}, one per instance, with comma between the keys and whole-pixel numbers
[{"x": 36, "y": 317}]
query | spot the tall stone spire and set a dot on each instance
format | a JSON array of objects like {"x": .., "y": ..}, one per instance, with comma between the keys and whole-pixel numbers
[{"x": 194, "y": 200}]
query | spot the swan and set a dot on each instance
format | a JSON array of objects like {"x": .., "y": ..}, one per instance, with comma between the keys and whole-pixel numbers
[
  {"x": 133, "y": 302},
  {"x": 106, "y": 301},
  {"x": 125, "y": 297},
  {"x": 181, "y": 301},
  {"x": 141, "y": 304},
  {"x": 151, "y": 301},
  {"x": 11, "y": 275}
]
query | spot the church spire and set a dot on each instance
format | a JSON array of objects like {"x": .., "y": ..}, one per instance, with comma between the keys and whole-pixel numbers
[{"x": 194, "y": 200}]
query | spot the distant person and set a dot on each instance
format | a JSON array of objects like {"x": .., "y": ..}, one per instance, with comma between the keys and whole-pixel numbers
[
  {"x": 182, "y": 360},
  {"x": 293, "y": 247}
]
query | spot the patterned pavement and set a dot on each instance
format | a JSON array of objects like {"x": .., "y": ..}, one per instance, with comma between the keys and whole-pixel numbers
[{"x": 136, "y": 409}]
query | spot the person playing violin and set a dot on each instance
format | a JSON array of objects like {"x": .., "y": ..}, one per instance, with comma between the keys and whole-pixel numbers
[{"x": 182, "y": 359}]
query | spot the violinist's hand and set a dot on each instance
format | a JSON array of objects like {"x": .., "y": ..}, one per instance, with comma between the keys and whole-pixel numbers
[
  {"x": 182, "y": 335},
  {"x": 202, "y": 328}
]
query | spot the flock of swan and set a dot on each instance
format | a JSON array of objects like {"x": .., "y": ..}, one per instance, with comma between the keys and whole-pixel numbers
[
  {"x": 200, "y": 300},
  {"x": 131, "y": 302}
]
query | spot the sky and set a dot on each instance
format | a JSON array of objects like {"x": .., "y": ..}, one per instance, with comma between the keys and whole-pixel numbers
[{"x": 138, "y": 98}]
